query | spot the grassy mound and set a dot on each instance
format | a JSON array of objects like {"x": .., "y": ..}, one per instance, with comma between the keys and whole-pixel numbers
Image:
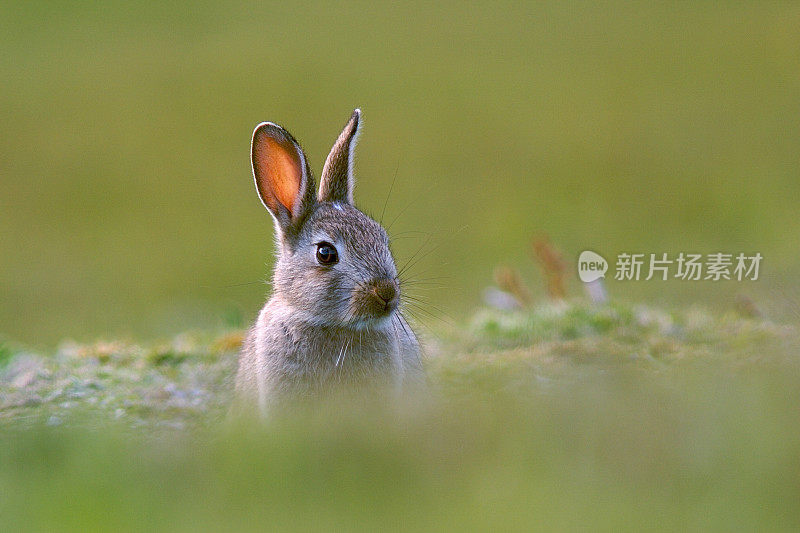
[{"x": 568, "y": 415}]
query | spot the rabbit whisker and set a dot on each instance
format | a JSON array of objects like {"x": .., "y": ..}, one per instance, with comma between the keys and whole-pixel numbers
[
  {"x": 400, "y": 321},
  {"x": 416, "y": 317},
  {"x": 418, "y": 307},
  {"x": 409, "y": 204},
  {"x": 391, "y": 187},
  {"x": 409, "y": 263}
]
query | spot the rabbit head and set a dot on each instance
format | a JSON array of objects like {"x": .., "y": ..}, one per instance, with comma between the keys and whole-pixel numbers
[{"x": 334, "y": 264}]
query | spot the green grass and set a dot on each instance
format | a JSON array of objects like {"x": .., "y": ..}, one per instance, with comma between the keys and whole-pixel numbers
[
  {"x": 129, "y": 210},
  {"x": 613, "y": 417}
]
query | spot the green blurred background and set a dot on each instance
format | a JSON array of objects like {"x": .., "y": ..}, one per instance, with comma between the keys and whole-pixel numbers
[{"x": 127, "y": 206}]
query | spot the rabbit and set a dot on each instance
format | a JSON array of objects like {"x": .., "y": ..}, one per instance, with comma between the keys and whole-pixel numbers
[{"x": 334, "y": 315}]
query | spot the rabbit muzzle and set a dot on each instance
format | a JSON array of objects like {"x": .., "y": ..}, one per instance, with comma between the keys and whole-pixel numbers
[{"x": 380, "y": 297}]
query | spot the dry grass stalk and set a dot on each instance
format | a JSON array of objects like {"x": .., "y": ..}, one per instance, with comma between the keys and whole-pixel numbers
[
  {"x": 509, "y": 280},
  {"x": 553, "y": 267}
]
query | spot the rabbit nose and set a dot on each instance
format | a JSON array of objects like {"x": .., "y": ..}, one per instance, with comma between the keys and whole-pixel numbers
[{"x": 385, "y": 291}]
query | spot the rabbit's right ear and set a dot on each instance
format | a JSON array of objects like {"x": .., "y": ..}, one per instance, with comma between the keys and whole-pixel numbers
[
  {"x": 336, "y": 182},
  {"x": 283, "y": 178}
]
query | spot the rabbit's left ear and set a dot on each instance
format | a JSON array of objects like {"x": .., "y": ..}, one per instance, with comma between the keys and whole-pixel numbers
[{"x": 336, "y": 183}]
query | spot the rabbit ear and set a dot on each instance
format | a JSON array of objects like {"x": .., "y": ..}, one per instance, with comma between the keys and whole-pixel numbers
[
  {"x": 283, "y": 179},
  {"x": 336, "y": 183}
]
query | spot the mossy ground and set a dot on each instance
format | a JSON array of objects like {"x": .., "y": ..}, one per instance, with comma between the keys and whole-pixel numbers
[{"x": 567, "y": 415}]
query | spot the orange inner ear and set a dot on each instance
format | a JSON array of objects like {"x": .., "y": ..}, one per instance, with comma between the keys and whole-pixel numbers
[{"x": 278, "y": 171}]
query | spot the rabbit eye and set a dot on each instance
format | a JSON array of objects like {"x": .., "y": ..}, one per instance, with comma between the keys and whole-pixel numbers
[{"x": 327, "y": 254}]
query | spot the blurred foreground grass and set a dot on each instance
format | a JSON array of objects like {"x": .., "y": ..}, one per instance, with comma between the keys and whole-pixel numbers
[{"x": 566, "y": 416}]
